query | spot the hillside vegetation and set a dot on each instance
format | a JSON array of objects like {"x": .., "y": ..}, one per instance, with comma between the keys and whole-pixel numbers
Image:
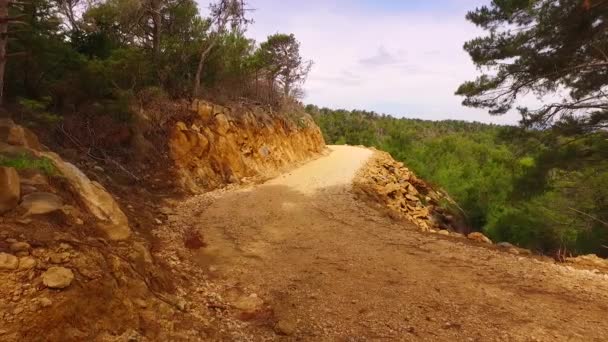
[
  {"x": 82, "y": 74},
  {"x": 503, "y": 178}
]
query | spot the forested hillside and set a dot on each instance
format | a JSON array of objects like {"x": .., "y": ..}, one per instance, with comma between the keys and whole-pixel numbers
[
  {"x": 504, "y": 178},
  {"x": 88, "y": 67}
]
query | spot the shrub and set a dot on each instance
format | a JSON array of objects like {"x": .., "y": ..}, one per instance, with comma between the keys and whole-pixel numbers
[{"x": 25, "y": 162}]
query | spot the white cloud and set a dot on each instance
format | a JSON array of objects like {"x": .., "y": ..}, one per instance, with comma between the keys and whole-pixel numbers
[
  {"x": 404, "y": 63},
  {"x": 381, "y": 58}
]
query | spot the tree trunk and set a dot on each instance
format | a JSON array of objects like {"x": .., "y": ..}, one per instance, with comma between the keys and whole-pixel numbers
[
  {"x": 196, "y": 88},
  {"x": 3, "y": 43},
  {"x": 157, "y": 27}
]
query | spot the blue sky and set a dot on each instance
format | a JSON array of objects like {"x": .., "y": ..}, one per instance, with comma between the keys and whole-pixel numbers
[{"x": 403, "y": 58}]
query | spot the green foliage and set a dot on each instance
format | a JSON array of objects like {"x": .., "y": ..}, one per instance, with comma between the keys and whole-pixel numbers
[
  {"x": 23, "y": 162},
  {"x": 512, "y": 184},
  {"x": 96, "y": 56},
  {"x": 280, "y": 57},
  {"x": 37, "y": 109},
  {"x": 541, "y": 46}
]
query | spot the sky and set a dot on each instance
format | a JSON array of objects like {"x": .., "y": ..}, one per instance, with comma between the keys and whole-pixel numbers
[{"x": 399, "y": 57}]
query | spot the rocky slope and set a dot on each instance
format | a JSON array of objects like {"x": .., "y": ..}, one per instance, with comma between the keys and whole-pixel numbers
[
  {"x": 392, "y": 186},
  {"x": 220, "y": 145},
  {"x": 84, "y": 261}
]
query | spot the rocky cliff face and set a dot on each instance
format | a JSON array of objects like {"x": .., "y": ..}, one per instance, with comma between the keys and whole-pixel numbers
[{"x": 218, "y": 145}]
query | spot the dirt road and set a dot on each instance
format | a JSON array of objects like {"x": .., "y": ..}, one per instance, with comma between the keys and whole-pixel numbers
[{"x": 329, "y": 268}]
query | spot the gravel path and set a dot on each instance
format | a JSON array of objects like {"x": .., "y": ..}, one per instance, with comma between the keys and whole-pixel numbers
[{"x": 331, "y": 268}]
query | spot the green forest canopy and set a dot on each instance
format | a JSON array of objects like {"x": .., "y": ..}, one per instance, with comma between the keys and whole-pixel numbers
[
  {"x": 95, "y": 58},
  {"x": 495, "y": 173}
]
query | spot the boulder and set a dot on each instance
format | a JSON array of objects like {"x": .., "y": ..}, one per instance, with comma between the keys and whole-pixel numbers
[
  {"x": 96, "y": 198},
  {"x": 27, "y": 263},
  {"x": 479, "y": 237},
  {"x": 41, "y": 203},
  {"x": 8, "y": 262},
  {"x": 286, "y": 327},
  {"x": 249, "y": 304},
  {"x": 57, "y": 277},
  {"x": 10, "y": 189}
]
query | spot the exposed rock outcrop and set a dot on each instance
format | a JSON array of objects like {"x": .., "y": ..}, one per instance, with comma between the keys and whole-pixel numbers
[
  {"x": 16, "y": 140},
  {"x": 220, "y": 145},
  {"x": 393, "y": 185},
  {"x": 96, "y": 198}
]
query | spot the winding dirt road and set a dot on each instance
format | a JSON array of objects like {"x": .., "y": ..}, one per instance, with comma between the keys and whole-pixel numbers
[{"x": 331, "y": 268}]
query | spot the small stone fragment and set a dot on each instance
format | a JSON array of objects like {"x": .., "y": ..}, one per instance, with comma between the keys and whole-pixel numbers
[
  {"x": 59, "y": 258},
  {"x": 64, "y": 246},
  {"x": 140, "y": 303},
  {"x": 479, "y": 237},
  {"x": 45, "y": 302},
  {"x": 249, "y": 304},
  {"x": 285, "y": 327},
  {"x": 20, "y": 247},
  {"x": 40, "y": 203},
  {"x": 57, "y": 277},
  {"x": 513, "y": 250},
  {"x": 8, "y": 262},
  {"x": 27, "y": 263},
  {"x": 24, "y": 221}
]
